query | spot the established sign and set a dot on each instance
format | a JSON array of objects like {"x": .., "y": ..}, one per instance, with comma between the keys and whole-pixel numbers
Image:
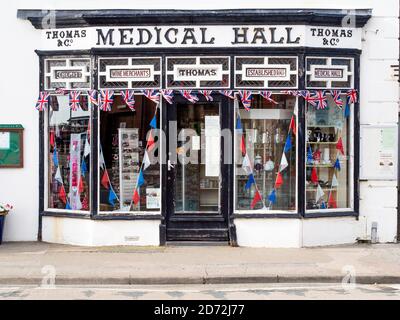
[
  {"x": 201, "y": 36},
  {"x": 266, "y": 72}
]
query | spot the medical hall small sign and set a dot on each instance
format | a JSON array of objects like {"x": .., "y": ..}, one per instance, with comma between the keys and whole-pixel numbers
[{"x": 200, "y": 36}]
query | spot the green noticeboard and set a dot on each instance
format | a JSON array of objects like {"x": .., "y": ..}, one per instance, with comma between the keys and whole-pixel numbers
[{"x": 11, "y": 146}]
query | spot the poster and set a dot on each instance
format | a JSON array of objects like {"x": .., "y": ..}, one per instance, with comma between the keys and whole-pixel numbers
[
  {"x": 213, "y": 141},
  {"x": 4, "y": 140},
  {"x": 75, "y": 171},
  {"x": 153, "y": 198},
  {"x": 387, "y": 151},
  {"x": 128, "y": 163}
]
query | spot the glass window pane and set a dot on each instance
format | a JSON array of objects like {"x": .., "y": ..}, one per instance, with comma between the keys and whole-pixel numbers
[
  {"x": 197, "y": 182},
  {"x": 266, "y": 151},
  {"x": 68, "y": 155},
  {"x": 328, "y": 152},
  {"x": 125, "y": 137}
]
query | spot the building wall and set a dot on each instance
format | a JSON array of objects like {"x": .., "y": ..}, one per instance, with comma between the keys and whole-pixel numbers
[{"x": 19, "y": 68}]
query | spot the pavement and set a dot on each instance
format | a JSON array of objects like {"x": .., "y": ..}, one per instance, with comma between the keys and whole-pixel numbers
[{"x": 35, "y": 263}]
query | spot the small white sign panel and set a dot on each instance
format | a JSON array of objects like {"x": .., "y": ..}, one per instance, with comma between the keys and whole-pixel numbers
[
  {"x": 207, "y": 72},
  {"x": 68, "y": 74},
  {"x": 324, "y": 73},
  {"x": 267, "y": 72},
  {"x": 129, "y": 73}
]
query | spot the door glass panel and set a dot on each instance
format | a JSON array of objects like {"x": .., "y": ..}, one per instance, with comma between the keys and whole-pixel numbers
[{"x": 197, "y": 183}]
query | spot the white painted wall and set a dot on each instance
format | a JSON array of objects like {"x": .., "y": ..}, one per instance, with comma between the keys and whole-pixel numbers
[
  {"x": 85, "y": 232},
  {"x": 19, "y": 71}
]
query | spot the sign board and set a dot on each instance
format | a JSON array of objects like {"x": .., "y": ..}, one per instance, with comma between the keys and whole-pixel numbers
[
  {"x": 324, "y": 73},
  {"x": 68, "y": 74},
  {"x": 266, "y": 72},
  {"x": 382, "y": 163},
  {"x": 198, "y": 72},
  {"x": 129, "y": 73},
  {"x": 11, "y": 146},
  {"x": 173, "y": 36}
]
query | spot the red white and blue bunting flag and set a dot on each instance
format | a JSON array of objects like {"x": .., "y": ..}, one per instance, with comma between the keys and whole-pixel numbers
[
  {"x": 153, "y": 95},
  {"x": 168, "y": 95},
  {"x": 320, "y": 99},
  {"x": 207, "y": 94},
  {"x": 228, "y": 93},
  {"x": 187, "y": 94},
  {"x": 292, "y": 125},
  {"x": 93, "y": 97},
  {"x": 128, "y": 96},
  {"x": 352, "y": 96},
  {"x": 337, "y": 99},
  {"x": 267, "y": 96},
  {"x": 245, "y": 97},
  {"x": 106, "y": 100},
  {"x": 43, "y": 101},
  {"x": 307, "y": 97},
  {"x": 60, "y": 91},
  {"x": 74, "y": 100}
]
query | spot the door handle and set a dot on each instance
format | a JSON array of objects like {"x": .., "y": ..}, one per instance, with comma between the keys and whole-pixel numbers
[{"x": 170, "y": 165}]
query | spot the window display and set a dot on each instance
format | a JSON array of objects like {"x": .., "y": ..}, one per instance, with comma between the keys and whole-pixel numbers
[
  {"x": 69, "y": 153},
  {"x": 266, "y": 143},
  {"x": 128, "y": 160},
  {"x": 328, "y": 154}
]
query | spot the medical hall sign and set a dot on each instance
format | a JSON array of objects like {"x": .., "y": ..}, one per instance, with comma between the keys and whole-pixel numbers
[{"x": 201, "y": 36}]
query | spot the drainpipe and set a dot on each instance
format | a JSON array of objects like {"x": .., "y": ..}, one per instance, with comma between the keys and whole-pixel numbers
[{"x": 398, "y": 156}]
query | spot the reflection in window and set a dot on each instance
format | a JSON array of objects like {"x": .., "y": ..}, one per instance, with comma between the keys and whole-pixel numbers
[
  {"x": 68, "y": 155},
  {"x": 266, "y": 154},
  {"x": 327, "y": 157},
  {"x": 128, "y": 159}
]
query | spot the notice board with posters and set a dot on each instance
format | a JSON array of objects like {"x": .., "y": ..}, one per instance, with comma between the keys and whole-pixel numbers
[
  {"x": 11, "y": 146},
  {"x": 378, "y": 159}
]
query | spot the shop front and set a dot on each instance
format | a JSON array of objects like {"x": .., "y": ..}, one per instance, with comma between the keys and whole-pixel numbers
[{"x": 238, "y": 127}]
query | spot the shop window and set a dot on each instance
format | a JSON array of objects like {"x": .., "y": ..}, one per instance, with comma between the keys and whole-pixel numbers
[
  {"x": 129, "y": 167},
  {"x": 68, "y": 154},
  {"x": 265, "y": 155},
  {"x": 329, "y": 157}
]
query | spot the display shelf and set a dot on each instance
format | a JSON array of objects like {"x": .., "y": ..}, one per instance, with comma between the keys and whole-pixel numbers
[{"x": 320, "y": 165}]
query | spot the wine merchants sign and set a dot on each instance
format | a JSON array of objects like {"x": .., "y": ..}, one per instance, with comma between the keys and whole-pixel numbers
[{"x": 201, "y": 36}]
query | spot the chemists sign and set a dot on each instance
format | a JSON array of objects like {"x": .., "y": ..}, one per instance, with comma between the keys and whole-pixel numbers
[{"x": 201, "y": 36}]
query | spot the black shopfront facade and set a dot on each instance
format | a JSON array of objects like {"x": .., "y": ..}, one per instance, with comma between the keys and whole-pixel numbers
[{"x": 277, "y": 156}]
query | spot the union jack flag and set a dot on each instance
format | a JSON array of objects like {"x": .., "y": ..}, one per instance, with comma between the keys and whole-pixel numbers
[
  {"x": 61, "y": 91},
  {"x": 320, "y": 99},
  {"x": 228, "y": 93},
  {"x": 93, "y": 97},
  {"x": 153, "y": 95},
  {"x": 106, "y": 100},
  {"x": 267, "y": 96},
  {"x": 207, "y": 94},
  {"x": 307, "y": 97},
  {"x": 187, "y": 94},
  {"x": 352, "y": 96},
  {"x": 74, "y": 101},
  {"x": 246, "y": 97},
  {"x": 336, "y": 98},
  {"x": 294, "y": 93},
  {"x": 43, "y": 101},
  {"x": 168, "y": 95},
  {"x": 129, "y": 98}
]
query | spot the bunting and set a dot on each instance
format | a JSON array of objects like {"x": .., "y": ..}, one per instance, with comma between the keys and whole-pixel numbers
[
  {"x": 128, "y": 96},
  {"x": 337, "y": 99},
  {"x": 93, "y": 97},
  {"x": 187, "y": 94},
  {"x": 256, "y": 199},
  {"x": 43, "y": 101},
  {"x": 207, "y": 94},
  {"x": 168, "y": 95},
  {"x": 152, "y": 95},
  {"x": 245, "y": 97},
  {"x": 228, "y": 93},
  {"x": 106, "y": 100},
  {"x": 267, "y": 96},
  {"x": 319, "y": 98},
  {"x": 74, "y": 101},
  {"x": 339, "y": 145}
]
